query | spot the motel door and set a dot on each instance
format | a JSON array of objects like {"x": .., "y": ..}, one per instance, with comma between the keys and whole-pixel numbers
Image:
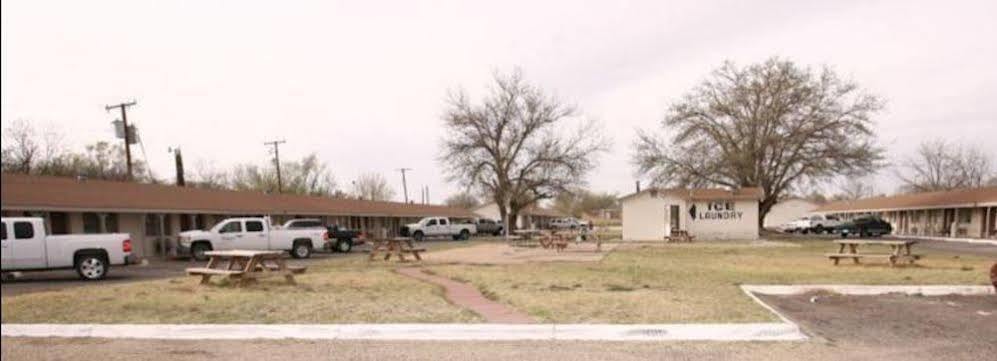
[{"x": 673, "y": 217}]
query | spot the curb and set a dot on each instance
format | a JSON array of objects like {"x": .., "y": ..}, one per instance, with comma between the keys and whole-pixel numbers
[{"x": 409, "y": 332}]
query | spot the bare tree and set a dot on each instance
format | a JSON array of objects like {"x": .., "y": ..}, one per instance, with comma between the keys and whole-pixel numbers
[
  {"x": 512, "y": 146},
  {"x": 308, "y": 176},
  {"x": 463, "y": 200},
  {"x": 372, "y": 187},
  {"x": 854, "y": 188},
  {"x": 206, "y": 175},
  {"x": 20, "y": 148},
  {"x": 939, "y": 165},
  {"x": 581, "y": 201},
  {"x": 768, "y": 125}
]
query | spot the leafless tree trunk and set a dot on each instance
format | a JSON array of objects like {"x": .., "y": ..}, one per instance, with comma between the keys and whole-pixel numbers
[
  {"x": 515, "y": 146},
  {"x": 768, "y": 125}
]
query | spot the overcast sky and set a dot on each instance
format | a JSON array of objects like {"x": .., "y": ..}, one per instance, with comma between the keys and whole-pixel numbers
[{"x": 363, "y": 83}]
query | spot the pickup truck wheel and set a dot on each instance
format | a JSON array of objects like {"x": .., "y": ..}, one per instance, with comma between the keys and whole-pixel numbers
[
  {"x": 301, "y": 250},
  {"x": 91, "y": 267},
  {"x": 418, "y": 236},
  {"x": 197, "y": 251},
  {"x": 465, "y": 235},
  {"x": 344, "y": 246}
]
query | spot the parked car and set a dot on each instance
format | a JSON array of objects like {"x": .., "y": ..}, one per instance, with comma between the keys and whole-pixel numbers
[
  {"x": 254, "y": 233},
  {"x": 568, "y": 223},
  {"x": 26, "y": 247},
  {"x": 339, "y": 239},
  {"x": 868, "y": 226},
  {"x": 438, "y": 227},
  {"x": 489, "y": 226},
  {"x": 816, "y": 223},
  {"x": 342, "y": 240}
]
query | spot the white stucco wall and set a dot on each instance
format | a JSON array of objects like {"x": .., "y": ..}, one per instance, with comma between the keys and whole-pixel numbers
[
  {"x": 491, "y": 211},
  {"x": 788, "y": 210},
  {"x": 646, "y": 218},
  {"x": 743, "y": 226}
]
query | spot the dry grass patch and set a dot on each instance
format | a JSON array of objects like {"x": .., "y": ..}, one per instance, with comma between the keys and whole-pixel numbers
[
  {"x": 341, "y": 291},
  {"x": 690, "y": 282}
]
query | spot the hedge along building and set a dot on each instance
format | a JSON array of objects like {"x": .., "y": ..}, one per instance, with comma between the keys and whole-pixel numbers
[
  {"x": 960, "y": 213},
  {"x": 153, "y": 214},
  {"x": 707, "y": 214}
]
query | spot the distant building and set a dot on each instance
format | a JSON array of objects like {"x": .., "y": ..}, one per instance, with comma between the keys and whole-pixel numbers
[
  {"x": 531, "y": 217},
  {"x": 788, "y": 210},
  {"x": 153, "y": 214},
  {"x": 960, "y": 213},
  {"x": 707, "y": 214}
]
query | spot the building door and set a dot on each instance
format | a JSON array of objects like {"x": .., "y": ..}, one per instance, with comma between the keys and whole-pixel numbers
[
  {"x": 947, "y": 218},
  {"x": 673, "y": 217}
]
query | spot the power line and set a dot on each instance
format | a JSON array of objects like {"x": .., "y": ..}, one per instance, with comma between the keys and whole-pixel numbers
[{"x": 276, "y": 160}]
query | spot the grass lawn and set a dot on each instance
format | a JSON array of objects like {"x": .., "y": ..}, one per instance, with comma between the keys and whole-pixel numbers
[
  {"x": 690, "y": 283},
  {"x": 346, "y": 290}
]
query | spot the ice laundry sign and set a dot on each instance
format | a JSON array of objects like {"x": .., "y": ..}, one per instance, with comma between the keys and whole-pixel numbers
[{"x": 714, "y": 211}]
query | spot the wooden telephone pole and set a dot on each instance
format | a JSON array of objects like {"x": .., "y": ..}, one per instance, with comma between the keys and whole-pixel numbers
[
  {"x": 124, "y": 124},
  {"x": 276, "y": 160},
  {"x": 404, "y": 184}
]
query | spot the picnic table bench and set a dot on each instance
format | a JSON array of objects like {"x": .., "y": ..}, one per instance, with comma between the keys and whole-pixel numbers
[
  {"x": 245, "y": 266},
  {"x": 899, "y": 251},
  {"x": 680, "y": 236},
  {"x": 395, "y": 246}
]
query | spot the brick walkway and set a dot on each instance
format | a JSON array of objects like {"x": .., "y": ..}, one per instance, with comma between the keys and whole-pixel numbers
[{"x": 467, "y": 296}]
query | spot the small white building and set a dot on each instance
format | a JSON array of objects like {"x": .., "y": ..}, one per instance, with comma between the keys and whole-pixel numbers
[
  {"x": 707, "y": 214},
  {"x": 529, "y": 218},
  {"x": 789, "y": 210}
]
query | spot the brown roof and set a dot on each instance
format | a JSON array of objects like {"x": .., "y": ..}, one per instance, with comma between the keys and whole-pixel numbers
[
  {"x": 969, "y": 197},
  {"x": 746, "y": 193},
  {"x": 59, "y": 193}
]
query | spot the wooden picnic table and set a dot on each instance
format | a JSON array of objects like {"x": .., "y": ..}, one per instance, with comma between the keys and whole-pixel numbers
[
  {"x": 899, "y": 250},
  {"x": 395, "y": 246},
  {"x": 245, "y": 266}
]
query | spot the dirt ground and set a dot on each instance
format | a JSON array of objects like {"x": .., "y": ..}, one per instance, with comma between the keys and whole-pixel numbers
[
  {"x": 941, "y": 328},
  {"x": 501, "y": 253}
]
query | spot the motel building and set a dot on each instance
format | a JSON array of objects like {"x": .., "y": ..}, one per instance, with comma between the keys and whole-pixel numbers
[
  {"x": 706, "y": 214},
  {"x": 961, "y": 213},
  {"x": 154, "y": 214}
]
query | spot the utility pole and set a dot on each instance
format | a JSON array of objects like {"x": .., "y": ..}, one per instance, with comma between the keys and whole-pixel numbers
[
  {"x": 404, "y": 184},
  {"x": 178, "y": 159},
  {"x": 276, "y": 160},
  {"x": 124, "y": 124}
]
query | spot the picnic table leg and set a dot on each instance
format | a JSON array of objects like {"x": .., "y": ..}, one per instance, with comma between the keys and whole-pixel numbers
[
  {"x": 853, "y": 248},
  {"x": 282, "y": 267},
  {"x": 205, "y": 279}
]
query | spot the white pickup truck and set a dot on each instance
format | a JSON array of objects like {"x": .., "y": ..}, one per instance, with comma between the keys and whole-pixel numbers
[
  {"x": 439, "y": 227},
  {"x": 815, "y": 223},
  {"x": 253, "y": 233},
  {"x": 26, "y": 247}
]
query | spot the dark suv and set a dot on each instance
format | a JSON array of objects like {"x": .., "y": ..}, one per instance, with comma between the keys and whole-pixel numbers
[{"x": 868, "y": 226}]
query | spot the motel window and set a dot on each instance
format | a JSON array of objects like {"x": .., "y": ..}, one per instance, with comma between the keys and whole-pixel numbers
[
  {"x": 965, "y": 216},
  {"x": 60, "y": 223},
  {"x": 91, "y": 223},
  {"x": 23, "y": 230},
  {"x": 3, "y": 230}
]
